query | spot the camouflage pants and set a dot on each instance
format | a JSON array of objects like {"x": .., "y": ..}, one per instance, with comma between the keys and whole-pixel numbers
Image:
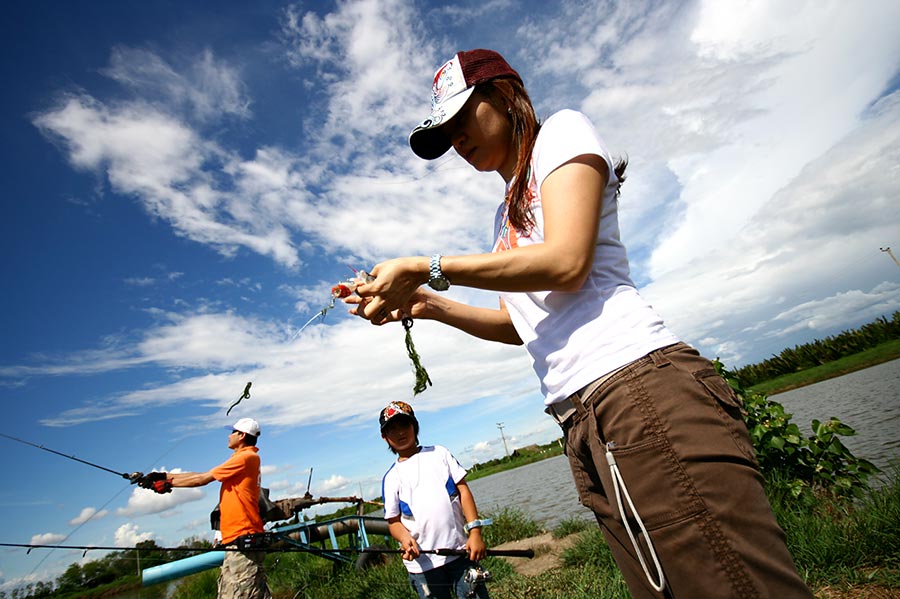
[{"x": 243, "y": 576}]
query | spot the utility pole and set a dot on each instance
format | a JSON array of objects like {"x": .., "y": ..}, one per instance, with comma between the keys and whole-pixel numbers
[
  {"x": 502, "y": 436},
  {"x": 891, "y": 254}
]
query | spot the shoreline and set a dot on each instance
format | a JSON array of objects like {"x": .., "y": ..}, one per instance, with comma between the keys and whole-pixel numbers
[{"x": 886, "y": 352}]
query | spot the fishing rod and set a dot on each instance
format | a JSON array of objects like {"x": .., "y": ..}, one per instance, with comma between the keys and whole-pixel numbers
[
  {"x": 529, "y": 553},
  {"x": 130, "y": 477}
]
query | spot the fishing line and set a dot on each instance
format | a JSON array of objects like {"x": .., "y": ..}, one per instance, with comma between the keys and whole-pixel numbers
[
  {"x": 102, "y": 507},
  {"x": 124, "y": 475},
  {"x": 347, "y": 288}
]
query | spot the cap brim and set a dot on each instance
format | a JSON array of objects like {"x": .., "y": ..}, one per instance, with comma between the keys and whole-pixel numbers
[
  {"x": 428, "y": 140},
  {"x": 395, "y": 417},
  {"x": 428, "y": 143},
  {"x": 231, "y": 428}
]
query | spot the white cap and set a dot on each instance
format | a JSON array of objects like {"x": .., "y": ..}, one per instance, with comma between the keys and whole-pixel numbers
[{"x": 246, "y": 425}]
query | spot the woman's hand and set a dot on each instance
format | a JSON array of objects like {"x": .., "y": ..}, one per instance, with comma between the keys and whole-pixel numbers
[
  {"x": 395, "y": 292},
  {"x": 392, "y": 289},
  {"x": 416, "y": 307}
]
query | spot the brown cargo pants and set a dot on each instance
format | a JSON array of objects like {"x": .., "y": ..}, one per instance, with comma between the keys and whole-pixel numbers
[{"x": 674, "y": 429}]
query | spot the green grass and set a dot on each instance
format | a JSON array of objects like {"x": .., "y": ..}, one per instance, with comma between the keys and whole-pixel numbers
[
  {"x": 843, "y": 544},
  {"x": 570, "y": 526},
  {"x": 510, "y": 524},
  {"x": 877, "y": 355}
]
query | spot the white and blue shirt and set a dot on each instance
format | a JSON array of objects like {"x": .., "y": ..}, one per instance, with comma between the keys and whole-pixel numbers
[{"x": 422, "y": 491}]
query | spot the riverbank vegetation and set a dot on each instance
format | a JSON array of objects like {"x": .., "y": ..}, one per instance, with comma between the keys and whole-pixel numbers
[
  {"x": 841, "y": 548},
  {"x": 843, "y": 533},
  {"x": 818, "y": 360}
]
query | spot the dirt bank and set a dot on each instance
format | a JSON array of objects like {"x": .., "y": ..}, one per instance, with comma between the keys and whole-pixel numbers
[{"x": 547, "y": 553}]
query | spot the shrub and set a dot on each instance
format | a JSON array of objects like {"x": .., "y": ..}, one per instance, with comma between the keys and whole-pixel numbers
[{"x": 802, "y": 465}]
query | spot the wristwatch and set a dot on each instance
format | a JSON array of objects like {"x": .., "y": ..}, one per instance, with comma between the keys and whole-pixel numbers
[{"x": 436, "y": 278}]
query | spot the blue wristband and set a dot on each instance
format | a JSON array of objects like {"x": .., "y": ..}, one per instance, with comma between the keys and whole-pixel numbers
[{"x": 477, "y": 524}]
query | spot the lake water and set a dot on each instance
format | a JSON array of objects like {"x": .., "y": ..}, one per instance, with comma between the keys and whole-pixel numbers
[
  {"x": 543, "y": 490},
  {"x": 867, "y": 400}
]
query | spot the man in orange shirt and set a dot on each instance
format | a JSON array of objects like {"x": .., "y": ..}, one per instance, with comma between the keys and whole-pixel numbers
[{"x": 242, "y": 575}]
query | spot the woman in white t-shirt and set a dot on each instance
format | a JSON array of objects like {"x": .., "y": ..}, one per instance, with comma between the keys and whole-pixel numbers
[{"x": 653, "y": 434}]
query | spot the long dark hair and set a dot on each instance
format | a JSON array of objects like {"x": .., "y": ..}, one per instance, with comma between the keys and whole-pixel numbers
[{"x": 509, "y": 94}]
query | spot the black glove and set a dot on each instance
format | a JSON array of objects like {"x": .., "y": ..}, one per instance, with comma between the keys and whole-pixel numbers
[
  {"x": 147, "y": 481},
  {"x": 162, "y": 486}
]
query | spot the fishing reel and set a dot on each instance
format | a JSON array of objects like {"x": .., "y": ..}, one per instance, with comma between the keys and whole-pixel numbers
[{"x": 475, "y": 576}]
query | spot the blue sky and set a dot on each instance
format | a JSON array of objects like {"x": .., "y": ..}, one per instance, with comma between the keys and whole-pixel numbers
[{"x": 184, "y": 181}]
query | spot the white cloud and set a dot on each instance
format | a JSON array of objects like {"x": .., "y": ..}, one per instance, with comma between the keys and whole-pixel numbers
[
  {"x": 813, "y": 248},
  {"x": 333, "y": 483},
  {"x": 830, "y": 313},
  {"x": 88, "y": 513},
  {"x": 208, "y": 88},
  {"x": 127, "y": 535},
  {"x": 720, "y": 104},
  {"x": 144, "y": 501},
  {"x": 209, "y": 351},
  {"x": 47, "y": 538},
  {"x": 161, "y": 160}
]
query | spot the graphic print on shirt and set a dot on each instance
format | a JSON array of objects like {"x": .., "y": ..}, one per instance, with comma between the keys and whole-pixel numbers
[{"x": 507, "y": 237}]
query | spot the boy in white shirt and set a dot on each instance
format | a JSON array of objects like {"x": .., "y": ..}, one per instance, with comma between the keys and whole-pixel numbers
[{"x": 429, "y": 506}]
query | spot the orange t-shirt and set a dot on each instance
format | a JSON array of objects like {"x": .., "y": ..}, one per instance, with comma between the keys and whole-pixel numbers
[{"x": 239, "y": 497}]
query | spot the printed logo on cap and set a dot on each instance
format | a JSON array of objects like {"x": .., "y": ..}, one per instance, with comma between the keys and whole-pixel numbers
[{"x": 396, "y": 408}]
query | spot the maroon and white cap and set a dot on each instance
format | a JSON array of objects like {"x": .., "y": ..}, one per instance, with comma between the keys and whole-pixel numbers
[{"x": 453, "y": 83}]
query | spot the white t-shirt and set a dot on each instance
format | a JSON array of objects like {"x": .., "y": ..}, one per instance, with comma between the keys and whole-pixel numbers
[
  {"x": 422, "y": 491},
  {"x": 575, "y": 338}
]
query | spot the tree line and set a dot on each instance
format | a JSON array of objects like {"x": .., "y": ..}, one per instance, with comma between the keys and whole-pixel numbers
[
  {"x": 821, "y": 351},
  {"x": 112, "y": 567}
]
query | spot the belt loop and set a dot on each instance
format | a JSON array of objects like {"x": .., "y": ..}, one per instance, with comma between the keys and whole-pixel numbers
[
  {"x": 659, "y": 358},
  {"x": 576, "y": 401}
]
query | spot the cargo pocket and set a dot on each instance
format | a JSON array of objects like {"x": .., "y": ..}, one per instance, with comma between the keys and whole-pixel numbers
[
  {"x": 660, "y": 489},
  {"x": 730, "y": 409}
]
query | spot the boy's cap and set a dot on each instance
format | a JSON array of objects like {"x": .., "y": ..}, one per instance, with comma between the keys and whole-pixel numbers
[
  {"x": 393, "y": 410},
  {"x": 453, "y": 84},
  {"x": 246, "y": 425}
]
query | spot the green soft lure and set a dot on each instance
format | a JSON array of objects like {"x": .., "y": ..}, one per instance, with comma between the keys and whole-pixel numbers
[{"x": 422, "y": 379}]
